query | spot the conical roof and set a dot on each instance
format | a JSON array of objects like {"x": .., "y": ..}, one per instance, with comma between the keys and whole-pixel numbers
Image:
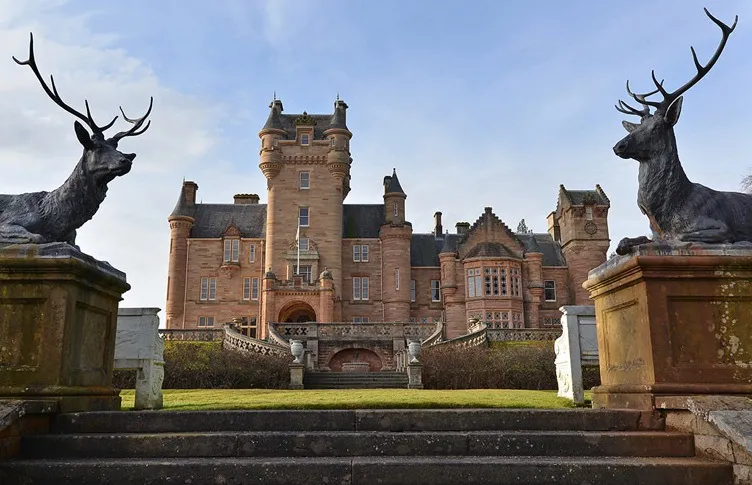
[{"x": 394, "y": 186}]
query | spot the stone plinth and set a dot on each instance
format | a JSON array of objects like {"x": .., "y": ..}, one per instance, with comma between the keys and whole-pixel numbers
[
  {"x": 355, "y": 367},
  {"x": 297, "y": 371},
  {"x": 58, "y": 320},
  {"x": 673, "y": 321}
]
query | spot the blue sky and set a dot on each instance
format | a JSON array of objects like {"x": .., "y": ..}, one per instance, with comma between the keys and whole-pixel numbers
[{"x": 483, "y": 103}]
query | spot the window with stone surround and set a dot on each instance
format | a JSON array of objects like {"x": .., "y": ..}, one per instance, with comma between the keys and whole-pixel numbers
[
  {"x": 435, "y": 291},
  {"x": 332, "y": 141},
  {"x": 396, "y": 210},
  {"x": 246, "y": 288},
  {"x": 208, "y": 289},
  {"x": 252, "y": 253},
  {"x": 232, "y": 250},
  {"x": 305, "y": 139},
  {"x": 515, "y": 277},
  {"x": 474, "y": 283},
  {"x": 396, "y": 278},
  {"x": 360, "y": 253},
  {"x": 360, "y": 288},
  {"x": 303, "y": 216},
  {"x": 589, "y": 213},
  {"x": 205, "y": 321},
  {"x": 360, "y": 319},
  {"x": 305, "y": 180},
  {"x": 305, "y": 271},
  {"x": 254, "y": 289},
  {"x": 304, "y": 244},
  {"x": 412, "y": 291},
  {"x": 549, "y": 290}
]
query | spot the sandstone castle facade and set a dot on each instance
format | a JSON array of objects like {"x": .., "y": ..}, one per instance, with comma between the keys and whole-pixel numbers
[{"x": 305, "y": 255}]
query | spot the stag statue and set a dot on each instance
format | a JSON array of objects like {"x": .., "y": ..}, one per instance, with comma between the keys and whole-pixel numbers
[
  {"x": 678, "y": 209},
  {"x": 45, "y": 217}
]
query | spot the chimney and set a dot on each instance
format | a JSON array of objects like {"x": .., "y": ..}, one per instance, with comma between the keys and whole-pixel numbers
[
  {"x": 438, "y": 231},
  {"x": 241, "y": 199},
  {"x": 189, "y": 191},
  {"x": 462, "y": 227}
]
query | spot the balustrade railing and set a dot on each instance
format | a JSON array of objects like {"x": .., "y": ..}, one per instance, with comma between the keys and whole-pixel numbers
[
  {"x": 351, "y": 331},
  {"x": 522, "y": 334},
  {"x": 192, "y": 335},
  {"x": 237, "y": 341}
]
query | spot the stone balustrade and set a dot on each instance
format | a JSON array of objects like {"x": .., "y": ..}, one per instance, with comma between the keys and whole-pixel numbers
[
  {"x": 237, "y": 341},
  {"x": 192, "y": 335}
]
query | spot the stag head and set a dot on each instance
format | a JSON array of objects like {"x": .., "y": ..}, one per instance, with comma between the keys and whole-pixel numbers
[
  {"x": 101, "y": 158},
  {"x": 654, "y": 134}
]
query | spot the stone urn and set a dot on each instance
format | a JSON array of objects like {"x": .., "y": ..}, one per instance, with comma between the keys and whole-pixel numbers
[
  {"x": 413, "y": 349},
  {"x": 296, "y": 347}
]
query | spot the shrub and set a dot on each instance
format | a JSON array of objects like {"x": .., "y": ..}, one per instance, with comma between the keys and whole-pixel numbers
[
  {"x": 206, "y": 365},
  {"x": 511, "y": 366}
]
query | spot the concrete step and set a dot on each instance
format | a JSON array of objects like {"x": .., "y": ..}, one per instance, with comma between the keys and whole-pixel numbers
[
  {"x": 364, "y": 443},
  {"x": 357, "y": 420},
  {"x": 443, "y": 470},
  {"x": 354, "y": 380}
]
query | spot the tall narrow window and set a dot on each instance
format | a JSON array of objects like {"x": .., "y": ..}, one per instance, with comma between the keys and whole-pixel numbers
[
  {"x": 305, "y": 139},
  {"x": 246, "y": 288},
  {"x": 412, "y": 291},
  {"x": 396, "y": 210},
  {"x": 232, "y": 250},
  {"x": 515, "y": 282},
  {"x": 254, "y": 289},
  {"x": 470, "y": 283},
  {"x": 364, "y": 289},
  {"x": 356, "y": 253},
  {"x": 305, "y": 180},
  {"x": 396, "y": 278},
  {"x": 252, "y": 253},
  {"x": 549, "y": 290},
  {"x": 303, "y": 216},
  {"x": 333, "y": 141},
  {"x": 212, "y": 288},
  {"x": 589, "y": 213},
  {"x": 435, "y": 291},
  {"x": 356, "y": 288},
  {"x": 364, "y": 253},
  {"x": 504, "y": 290}
]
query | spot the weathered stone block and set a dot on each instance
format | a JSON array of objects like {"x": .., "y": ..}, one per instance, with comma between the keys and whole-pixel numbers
[
  {"x": 673, "y": 321},
  {"x": 58, "y": 317}
]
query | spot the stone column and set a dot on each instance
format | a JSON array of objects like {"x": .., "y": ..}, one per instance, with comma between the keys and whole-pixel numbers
[{"x": 58, "y": 322}]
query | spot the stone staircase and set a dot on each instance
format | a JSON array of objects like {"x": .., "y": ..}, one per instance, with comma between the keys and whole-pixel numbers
[
  {"x": 437, "y": 447},
  {"x": 354, "y": 380}
]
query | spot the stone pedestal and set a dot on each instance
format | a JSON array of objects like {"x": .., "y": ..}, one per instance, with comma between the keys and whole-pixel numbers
[
  {"x": 415, "y": 376},
  {"x": 673, "y": 321},
  {"x": 296, "y": 376},
  {"x": 58, "y": 320}
]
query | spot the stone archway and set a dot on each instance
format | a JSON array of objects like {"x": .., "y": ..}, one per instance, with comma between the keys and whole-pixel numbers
[
  {"x": 355, "y": 355},
  {"x": 297, "y": 312}
]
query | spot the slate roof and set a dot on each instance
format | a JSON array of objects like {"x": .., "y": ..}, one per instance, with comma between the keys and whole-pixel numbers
[
  {"x": 182, "y": 208},
  {"x": 362, "y": 220},
  {"x": 323, "y": 122},
  {"x": 490, "y": 250},
  {"x": 212, "y": 219},
  {"x": 578, "y": 197},
  {"x": 393, "y": 184},
  {"x": 425, "y": 249},
  {"x": 551, "y": 250}
]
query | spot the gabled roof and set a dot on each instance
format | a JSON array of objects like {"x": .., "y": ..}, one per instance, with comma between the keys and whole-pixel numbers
[
  {"x": 581, "y": 197},
  {"x": 489, "y": 250},
  {"x": 212, "y": 220}
]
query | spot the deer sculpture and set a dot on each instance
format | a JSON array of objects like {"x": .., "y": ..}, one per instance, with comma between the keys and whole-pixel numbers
[
  {"x": 678, "y": 209},
  {"x": 44, "y": 217}
]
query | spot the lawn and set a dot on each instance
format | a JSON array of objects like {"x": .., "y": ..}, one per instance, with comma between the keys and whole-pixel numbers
[{"x": 200, "y": 399}]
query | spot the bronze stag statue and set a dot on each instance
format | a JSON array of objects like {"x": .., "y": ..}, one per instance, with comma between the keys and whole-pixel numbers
[
  {"x": 44, "y": 217},
  {"x": 678, "y": 209}
]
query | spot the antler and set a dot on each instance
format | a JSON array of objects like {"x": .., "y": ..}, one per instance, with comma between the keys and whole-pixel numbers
[
  {"x": 52, "y": 93},
  {"x": 134, "y": 130},
  {"x": 640, "y": 98}
]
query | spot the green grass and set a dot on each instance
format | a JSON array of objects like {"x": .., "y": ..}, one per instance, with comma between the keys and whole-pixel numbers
[{"x": 202, "y": 399}]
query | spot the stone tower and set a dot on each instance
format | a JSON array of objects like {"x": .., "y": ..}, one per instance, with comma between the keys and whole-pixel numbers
[
  {"x": 395, "y": 234},
  {"x": 580, "y": 225},
  {"x": 181, "y": 221},
  {"x": 306, "y": 161}
]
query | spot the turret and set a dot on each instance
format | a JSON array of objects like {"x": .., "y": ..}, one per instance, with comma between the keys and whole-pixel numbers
[
  {"x": 394, "y": 200},
  {"x": 395, "y": 235},
  {"x": 338, "y": 159},
  {"x": 181, "y": 222}
]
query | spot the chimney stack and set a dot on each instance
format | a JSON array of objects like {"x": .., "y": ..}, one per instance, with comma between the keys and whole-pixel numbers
[
  {"x": 246, "y": 199},
  {"x": 462, "y": 227},
  {"x": 438, "y": 231}
]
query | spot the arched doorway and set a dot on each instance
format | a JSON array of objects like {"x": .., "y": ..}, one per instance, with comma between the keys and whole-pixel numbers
[
  {"x": 355, "y": 355},
  {"x": 297, "y": 312}
]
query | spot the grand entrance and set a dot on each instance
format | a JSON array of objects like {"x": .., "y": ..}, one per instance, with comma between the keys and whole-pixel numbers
[{"x": 297, "y": 312}]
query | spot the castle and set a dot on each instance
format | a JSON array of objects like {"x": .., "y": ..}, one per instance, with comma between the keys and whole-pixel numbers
[{"x": 305, "y": 255}]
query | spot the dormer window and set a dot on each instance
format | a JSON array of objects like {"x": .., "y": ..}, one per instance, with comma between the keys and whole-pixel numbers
[{"x": 305, "y": 139}]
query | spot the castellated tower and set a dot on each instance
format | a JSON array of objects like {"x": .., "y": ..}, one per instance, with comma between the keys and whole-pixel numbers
[
  {"x": 580, "y": 224},
  {"x": 306, "y": 161},
  {"x": 181, "y": 221},
  {"x": 395, "y": 234}
]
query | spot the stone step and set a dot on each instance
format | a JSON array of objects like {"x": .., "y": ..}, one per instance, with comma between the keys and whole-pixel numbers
[
  {"x": 357, "y": 420},
  {"x": 443, "y": 470},
  {"x": 364, "y": 443}
]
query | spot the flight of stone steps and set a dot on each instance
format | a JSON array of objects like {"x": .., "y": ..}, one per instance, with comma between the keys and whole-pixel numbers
[
  {"x": 436, "y": 447},
  {"x": 354, "y": 380}
]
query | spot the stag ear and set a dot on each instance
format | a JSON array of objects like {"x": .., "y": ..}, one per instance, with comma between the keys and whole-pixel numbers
[
  {"x": 673, "y": 111},
  {"x": 630, "y": 127},
  {"x": 83, "y": 136}
]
